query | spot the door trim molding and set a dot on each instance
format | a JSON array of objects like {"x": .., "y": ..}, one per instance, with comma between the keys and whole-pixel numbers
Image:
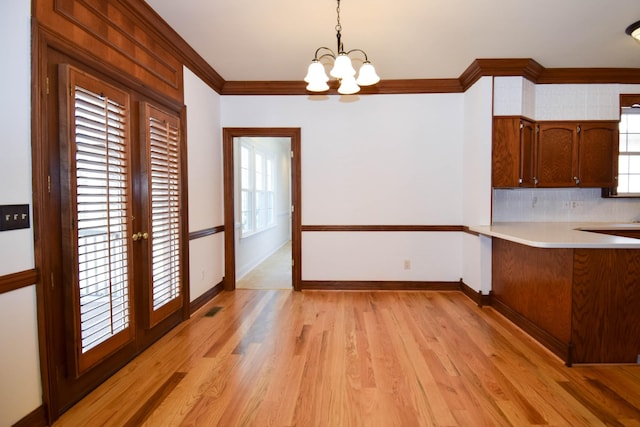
[{"x": 228, "y": 134}]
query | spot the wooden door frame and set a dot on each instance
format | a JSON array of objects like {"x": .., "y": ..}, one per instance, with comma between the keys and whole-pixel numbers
[
  {"x": 45, "y": 189},
  {"x": 228, "y": 134}
]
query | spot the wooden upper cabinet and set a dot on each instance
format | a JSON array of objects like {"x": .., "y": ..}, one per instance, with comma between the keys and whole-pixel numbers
[
  {"x": 598, "y": 154},
  {"x": 557, "y": 145},
  {"x": 505, "y": 170},
  {"x": 554, "y": 153},
  {"x": 513, "y": 157}
]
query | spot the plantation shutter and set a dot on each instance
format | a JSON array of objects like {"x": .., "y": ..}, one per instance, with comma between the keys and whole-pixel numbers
[
  {"x": 164, "y": 187},
  {"x": 95, "y": 168}
]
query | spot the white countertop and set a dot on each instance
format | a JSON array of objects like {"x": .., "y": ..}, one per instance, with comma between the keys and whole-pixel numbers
[{"x": 561, "y": 234}]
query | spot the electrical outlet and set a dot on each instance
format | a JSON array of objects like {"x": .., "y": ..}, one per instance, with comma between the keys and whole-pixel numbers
[
  {"x": 14, "y": 217},
  {"x": 407, "y": 264},
  {"x": 576, "y": 204}
]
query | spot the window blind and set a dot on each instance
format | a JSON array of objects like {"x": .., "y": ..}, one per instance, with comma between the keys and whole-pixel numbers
[
  {"x": 164, "y": 174},
  {"x": 101, "y": 163}
]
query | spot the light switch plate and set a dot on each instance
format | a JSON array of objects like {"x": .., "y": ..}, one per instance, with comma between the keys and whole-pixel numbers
[{"x": 14, "y": 217}]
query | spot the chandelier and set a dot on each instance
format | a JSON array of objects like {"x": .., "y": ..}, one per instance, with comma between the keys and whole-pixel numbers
[
  {"x": 342, "y": 69},
  {"x": 634, "y": 31}
]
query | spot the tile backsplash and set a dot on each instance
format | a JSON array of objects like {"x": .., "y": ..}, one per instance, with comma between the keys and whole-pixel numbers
[{"x": 561, "y": 205}]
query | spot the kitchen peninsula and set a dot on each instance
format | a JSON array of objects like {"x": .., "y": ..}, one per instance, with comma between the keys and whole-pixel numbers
[{"x": 574, "y": 287}]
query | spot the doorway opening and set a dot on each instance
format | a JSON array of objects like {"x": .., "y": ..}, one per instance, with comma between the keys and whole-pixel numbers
[
  {"x": 262, "y": 208},
  {"x": 262, "y": 195}
]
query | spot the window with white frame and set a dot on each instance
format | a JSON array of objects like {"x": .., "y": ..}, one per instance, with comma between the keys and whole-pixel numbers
[
  {"x": 629, "y": 155},
  {"x": 257, "y": 189}
]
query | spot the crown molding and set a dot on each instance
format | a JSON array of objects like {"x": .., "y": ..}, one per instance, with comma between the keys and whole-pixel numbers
[
  {"x": 385, "y": 87},
  {"x": 524, "y": 67},
  {"x": 589, "y": 75},
  {"x": 518, "y": 67},
  {"x": 161, "y": 30}
]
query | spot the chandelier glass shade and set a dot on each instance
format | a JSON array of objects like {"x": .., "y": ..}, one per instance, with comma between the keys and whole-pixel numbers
[
  {"x": 317, "y": 79},
  {"x": 634, "y": 31}
]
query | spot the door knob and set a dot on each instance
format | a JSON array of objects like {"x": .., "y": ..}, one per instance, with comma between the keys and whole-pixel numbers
[{"x": 136, "y": 236}]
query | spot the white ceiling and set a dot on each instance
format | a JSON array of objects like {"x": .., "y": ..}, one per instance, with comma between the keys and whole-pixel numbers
[{"x": 274, "y": 40}]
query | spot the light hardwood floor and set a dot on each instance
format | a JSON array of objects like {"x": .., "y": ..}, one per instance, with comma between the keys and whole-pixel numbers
[
  {"x": 272, "y": 273},
  {"x": 284, "y": 358}
]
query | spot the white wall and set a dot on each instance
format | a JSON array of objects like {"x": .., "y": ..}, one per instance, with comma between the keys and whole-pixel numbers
[
  {"x": 20, "y": 384},
  {"x": 253, "y": 249},
  {"x": 204, "y": 151},
  {"x": 381, "y": 256},
  {"x": 385, "y": 159},
  {"x": 476, "y": 270},
  {"x": 16, "y": 247},
  {"x": 20, "y": 389},
  {"x": 518, "y": 96}
]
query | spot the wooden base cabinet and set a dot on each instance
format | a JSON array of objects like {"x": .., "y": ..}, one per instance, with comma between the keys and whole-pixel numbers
[
  {"x": 582, "y": 304},
  {"x": 554, "y": 153}
]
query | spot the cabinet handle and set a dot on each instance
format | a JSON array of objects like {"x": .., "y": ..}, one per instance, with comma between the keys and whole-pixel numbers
[
  {"x": 577, "y": 180},
  {"x": 535, "y": 180}
]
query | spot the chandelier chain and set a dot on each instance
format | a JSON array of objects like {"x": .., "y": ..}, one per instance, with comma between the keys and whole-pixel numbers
[{"x": 338, "y": 25}]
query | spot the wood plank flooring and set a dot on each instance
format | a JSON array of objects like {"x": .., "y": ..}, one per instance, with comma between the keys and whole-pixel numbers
[{"x": 315, "y": 358}]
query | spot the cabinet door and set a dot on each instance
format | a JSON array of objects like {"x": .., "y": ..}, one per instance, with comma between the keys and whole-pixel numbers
[
  {"x": 557, "y": 142},
  {"x": 506, "y": 152},
  {"x": 513, "y": 158},
  {"x": 598, "y": 154}
]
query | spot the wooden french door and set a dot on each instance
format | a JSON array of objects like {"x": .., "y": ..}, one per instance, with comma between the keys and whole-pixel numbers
[{"x": 117, "y": 281}]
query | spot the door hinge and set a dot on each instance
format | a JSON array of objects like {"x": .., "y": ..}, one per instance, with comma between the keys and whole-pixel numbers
[
  {"x": 47, "y": 85},
  {"x": 293, "y": 263},
  {"x": 292, "y": 208},
  {"x": 52, "y": 283},
  {"x": 49, "y": 183},
  {"x": 292, "y": 154}
]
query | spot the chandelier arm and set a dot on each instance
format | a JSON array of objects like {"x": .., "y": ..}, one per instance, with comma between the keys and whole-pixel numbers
[
  {"x": 331, "y": 53},
  {"x": 361, "y": 51}
]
